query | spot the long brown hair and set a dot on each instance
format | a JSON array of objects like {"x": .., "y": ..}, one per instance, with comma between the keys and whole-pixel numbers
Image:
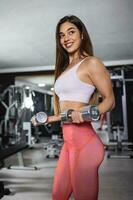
[{"x": 62, "y": 58}]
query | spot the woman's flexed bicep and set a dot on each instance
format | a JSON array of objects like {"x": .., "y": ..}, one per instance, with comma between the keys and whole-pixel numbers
[{"x": 101, "y": 79}]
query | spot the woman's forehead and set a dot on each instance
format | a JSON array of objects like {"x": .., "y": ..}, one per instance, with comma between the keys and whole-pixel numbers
[{"x": 67, "y": 26}]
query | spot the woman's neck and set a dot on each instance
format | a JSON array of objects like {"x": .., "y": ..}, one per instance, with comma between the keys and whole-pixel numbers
[{"x": 73, "y": 59}]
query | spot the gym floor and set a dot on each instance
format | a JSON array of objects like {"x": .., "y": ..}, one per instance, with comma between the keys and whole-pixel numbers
[{"x": 116, "y": 177}]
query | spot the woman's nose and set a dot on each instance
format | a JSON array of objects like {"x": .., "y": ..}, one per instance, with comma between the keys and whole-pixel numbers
[{"x": 66, "y": 38}]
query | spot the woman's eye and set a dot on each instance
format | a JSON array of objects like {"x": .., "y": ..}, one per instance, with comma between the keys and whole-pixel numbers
[
  {"x": 71, "y": 32},
  {"x": 61, "y": 36}
]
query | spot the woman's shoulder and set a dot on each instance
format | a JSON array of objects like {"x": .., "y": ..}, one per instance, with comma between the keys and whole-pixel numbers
[
  {"x": 92, "y": 60},
  {"x": 93, "y": 63}
]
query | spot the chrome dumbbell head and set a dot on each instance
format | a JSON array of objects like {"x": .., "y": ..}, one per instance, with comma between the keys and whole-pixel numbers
[
  {"x": 94, "y": 112},
  {"x": 41, "y": 117},
  {"x": 90, "y": 113},
  {"x": 66, "y": 115}
]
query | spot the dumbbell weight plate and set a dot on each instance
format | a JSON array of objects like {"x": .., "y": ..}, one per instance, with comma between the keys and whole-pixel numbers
[
  {"x": 41, "y": 117},
  {"x": 94, "y": 112}
]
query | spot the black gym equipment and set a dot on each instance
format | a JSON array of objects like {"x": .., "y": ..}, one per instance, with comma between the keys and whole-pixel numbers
[
  {"x": 4, "y": 191},
  {"x": 5, "y": 153},
  {"x": 13, "y": 137},
  {"x": 119, "y": 120}
]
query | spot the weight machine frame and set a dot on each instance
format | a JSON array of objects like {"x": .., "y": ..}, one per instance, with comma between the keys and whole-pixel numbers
[{"x": 119, "y": 142}]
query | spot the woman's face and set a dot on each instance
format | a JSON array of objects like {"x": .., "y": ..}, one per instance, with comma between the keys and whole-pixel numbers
[{"x": 70, "y": 37}]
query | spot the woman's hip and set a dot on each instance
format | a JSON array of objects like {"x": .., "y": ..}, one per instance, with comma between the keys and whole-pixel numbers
[{"x": 77, "y": 135}]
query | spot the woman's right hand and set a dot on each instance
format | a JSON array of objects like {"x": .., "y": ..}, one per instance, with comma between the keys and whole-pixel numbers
[
  {"x": 77, "y": 117},
  {"x": 34, "y": 122}
]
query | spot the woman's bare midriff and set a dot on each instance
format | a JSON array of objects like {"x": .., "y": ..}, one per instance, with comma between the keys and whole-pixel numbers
[{"x": 64, "y": 105}]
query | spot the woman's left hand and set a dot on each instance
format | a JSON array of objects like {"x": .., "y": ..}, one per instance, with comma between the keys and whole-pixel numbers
[{"x": 77, "y": 117}]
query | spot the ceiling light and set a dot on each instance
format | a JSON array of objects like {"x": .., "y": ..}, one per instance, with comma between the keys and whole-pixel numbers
[
  {"x": 52, "y": 89},
  {"x": 41, "y": 84}
]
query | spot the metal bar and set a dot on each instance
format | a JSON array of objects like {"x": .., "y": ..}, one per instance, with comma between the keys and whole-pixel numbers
[{"x": 124, "y": 108}]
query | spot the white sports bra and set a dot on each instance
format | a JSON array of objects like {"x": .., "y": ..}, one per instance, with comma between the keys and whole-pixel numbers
[{"x": 69, "y": 87}]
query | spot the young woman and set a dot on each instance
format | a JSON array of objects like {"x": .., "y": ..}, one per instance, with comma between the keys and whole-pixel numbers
[{"x": 77, "y": 76}]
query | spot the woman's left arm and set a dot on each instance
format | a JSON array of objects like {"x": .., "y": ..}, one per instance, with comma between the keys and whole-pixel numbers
[{"x": 101, "y": 80}]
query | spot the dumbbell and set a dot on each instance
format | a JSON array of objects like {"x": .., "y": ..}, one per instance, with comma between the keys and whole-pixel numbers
[
  {"x": 89, "y": 113},
  {"x": 40, "y": 117}
]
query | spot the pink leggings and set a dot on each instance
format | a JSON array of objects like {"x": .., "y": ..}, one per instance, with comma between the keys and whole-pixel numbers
[{"x": 77, "y": 168}]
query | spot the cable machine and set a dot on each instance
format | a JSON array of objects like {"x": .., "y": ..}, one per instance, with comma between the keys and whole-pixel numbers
[{"x": 117, "y": 120}]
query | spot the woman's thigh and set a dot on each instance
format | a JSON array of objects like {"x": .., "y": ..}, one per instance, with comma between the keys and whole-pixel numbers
[
  {"x": 62, "y": 183},
  {"x": 85, "y": 173}
]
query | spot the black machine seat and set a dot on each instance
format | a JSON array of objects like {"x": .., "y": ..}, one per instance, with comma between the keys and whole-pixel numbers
[{"x": 5, "y": 153}]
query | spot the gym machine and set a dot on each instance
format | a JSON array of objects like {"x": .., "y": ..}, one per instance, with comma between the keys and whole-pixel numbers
[
  {"x": 12, "y": 141},
  {"x": 19, "y": 103},
  {"x": 117, "y": 121},
  {"x": 12, "y": 130},
  {"x": 15, "y": 128}
]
